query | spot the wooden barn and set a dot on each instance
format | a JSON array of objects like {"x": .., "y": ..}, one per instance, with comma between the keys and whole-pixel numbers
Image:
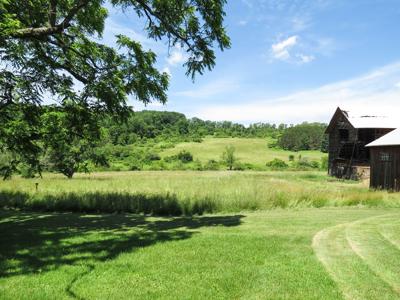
[
  {"x": 385, "y": 162},
  {"x": 348, "y": 136}
]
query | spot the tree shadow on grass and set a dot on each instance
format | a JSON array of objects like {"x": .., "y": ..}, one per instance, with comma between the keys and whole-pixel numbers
[{"x": 33, "y": 242}]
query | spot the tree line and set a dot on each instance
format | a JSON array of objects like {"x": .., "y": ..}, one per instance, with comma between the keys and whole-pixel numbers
[{"x": 65, "y": 142}]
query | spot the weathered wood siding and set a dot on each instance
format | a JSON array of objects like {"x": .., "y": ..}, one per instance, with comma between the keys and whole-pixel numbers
[
  {"x": 385, "y": 168},
  {"x": 335, "y": 143}
]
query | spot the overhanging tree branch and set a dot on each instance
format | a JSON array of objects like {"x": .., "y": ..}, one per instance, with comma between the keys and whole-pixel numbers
[{"x": 36, "y": 32}]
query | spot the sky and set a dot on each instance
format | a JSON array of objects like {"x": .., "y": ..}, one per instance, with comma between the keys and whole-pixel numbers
[{"x": 291, "y": 61}]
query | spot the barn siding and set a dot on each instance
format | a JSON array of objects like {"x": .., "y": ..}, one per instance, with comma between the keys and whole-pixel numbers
[
  {"x": 335, "y": 143},
  {"x": 385, "y": 174}
]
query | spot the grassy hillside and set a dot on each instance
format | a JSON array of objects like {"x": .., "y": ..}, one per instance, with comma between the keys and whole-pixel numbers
[
  {"x": 248, "y": 150},
  {"x": 279, "y": 254}
]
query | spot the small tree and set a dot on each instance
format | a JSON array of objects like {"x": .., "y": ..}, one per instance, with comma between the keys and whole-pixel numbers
[{"x": 228, "y": 157}]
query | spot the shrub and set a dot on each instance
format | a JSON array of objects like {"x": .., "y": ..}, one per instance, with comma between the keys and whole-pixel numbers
[
  {"x": 291, "y": 157},
  {"x": 324, "y": 163},
  {"x": 26, "y": 171},
  {"x": 239, "y": 167},
  {"x": 212, "y": 165},
  {"x": 152, "y": 157},
  {"x": 197, "y": 166},
  {"x": 304, "y": 164},
  {"x": 197, "y": 139},
  {"x": 185, "y": 156},
  {"x": 277, "y": 164}
]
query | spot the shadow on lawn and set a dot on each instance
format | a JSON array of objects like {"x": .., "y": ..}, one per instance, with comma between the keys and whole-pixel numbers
[{"x": 31, "y": 242}]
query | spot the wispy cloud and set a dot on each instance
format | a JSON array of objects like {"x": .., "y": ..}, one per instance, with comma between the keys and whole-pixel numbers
[
  {"x": 281, "y": 49},
  {"x": 377, "y": 92},
  {"x": 289, "y": 50}
]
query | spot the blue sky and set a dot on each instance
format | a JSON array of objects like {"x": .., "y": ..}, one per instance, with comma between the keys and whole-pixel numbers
[{"x": 290, "y": 61}]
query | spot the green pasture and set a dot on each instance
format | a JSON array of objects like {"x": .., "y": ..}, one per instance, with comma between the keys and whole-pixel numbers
[{"x": 248, "y": 150}]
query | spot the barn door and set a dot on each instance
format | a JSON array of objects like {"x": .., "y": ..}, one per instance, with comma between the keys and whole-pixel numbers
[{"x": 387, "y": 171}]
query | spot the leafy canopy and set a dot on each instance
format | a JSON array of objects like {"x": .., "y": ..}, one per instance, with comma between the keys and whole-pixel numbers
[{"x": 50, "y": 47}]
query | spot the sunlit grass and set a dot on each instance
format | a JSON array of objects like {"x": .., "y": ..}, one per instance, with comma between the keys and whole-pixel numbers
[
  {"x": 176, "y": 193},
  {"x": 261, "y": 255},
  {"x": 248, "y": 150}
]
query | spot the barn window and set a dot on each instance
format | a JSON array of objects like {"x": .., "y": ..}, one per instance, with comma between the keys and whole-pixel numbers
[
  {"x": 344, "y": 135},
  {"x": 385, "y": 156}
]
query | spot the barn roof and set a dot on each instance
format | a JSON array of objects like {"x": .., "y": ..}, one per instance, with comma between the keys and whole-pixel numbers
[
  {"x": 364, "y": 121},
  {"x": 390, "y": 139},
  {"x": 368, "y": 121}
]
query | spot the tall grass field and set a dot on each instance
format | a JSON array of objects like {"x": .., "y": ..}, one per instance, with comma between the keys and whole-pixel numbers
[{"x": 188, "y": 192}]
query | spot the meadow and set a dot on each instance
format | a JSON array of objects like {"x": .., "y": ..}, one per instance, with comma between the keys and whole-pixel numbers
[
  {"x": 188, "y": 192},
  {"x": 255, "y": 151}
]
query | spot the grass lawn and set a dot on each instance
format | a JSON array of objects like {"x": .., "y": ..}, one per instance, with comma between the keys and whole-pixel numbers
[
  {"x": 326, "y": 253},
  {"x": 248, "y": 150}
]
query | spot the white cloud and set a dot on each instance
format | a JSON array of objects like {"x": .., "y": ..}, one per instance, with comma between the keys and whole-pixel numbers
[
  {"x": 281, "y": 50},
  {"x": 304, "y": 59},
  {"x": 177, "y": 56},
  {"x": 242, "y": 22},
  {"x": 373, "y": 93}
]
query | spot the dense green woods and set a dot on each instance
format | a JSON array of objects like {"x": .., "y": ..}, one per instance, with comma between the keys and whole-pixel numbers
[{"x": 68, "y": 145}]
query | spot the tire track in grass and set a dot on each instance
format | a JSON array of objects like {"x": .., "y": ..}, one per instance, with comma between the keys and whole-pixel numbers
[
  {"x": 353, "y": 276},
  {"x": 382, "y": 257},
  {"x": 391, "y": 233}
]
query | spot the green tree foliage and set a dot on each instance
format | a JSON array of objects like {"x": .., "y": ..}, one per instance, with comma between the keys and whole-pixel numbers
[
  {"x": 166, "y": 125},
  {"x": 49, "y": 47},
  {"x": 67, "y": 139},
  {"x": 228, "y": 157},
  {"x": 305, "y": 136}
]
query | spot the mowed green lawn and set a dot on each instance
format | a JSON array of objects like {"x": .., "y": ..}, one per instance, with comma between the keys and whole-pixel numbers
[
  {"x": 248, "y": 150},
  {"x": 328, "y": 253},
  {"x": 262, "y": 237}
]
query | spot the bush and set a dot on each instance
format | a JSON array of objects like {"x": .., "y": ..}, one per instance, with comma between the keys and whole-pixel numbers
[
  {"x": 291, "y": 157},
  {"x": 212, "y": 165},
  {"x": 304, "y": 164},
  {"x": 197, "y": 139},
  {"x": 277, "y": 164},
  {"x": 152, "y": 157},
  {"x": 238, "y": 166},
  {"x": 197, "y": 166},
  {"x": 185, "y": 156},
  {"x": 26, "y": 171},
  {"x": 324, "y": 163}
]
